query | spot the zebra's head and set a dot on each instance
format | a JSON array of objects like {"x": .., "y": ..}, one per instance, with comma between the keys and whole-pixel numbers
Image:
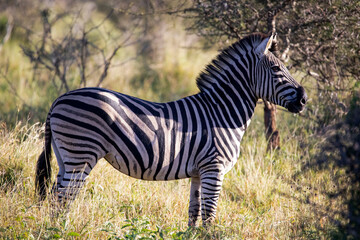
[{"x": 273, "y": 81}]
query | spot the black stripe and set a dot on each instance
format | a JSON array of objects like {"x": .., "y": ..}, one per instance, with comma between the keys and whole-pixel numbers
[
  {"x": 80, "y": 152},
  {"x": 194, "y": 130},
  {"x": 82, "y": 138},
  {"x": 204, "y": 124},
  {"x": 161, "y": 146},
  {"x": 173, "y": 138},
  {"x": 184, "y": 121},
  {"x": 80, "y": 145}
]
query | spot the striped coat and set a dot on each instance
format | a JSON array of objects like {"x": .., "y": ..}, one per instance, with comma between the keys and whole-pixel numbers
[{"x": 195, "y": 137}]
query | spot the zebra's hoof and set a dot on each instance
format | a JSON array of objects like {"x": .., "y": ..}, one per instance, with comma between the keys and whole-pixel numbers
[{"x": 208, "y": 222}]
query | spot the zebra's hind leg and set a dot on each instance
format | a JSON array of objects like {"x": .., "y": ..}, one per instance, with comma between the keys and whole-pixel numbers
[
  {"x": 66, "y": 190},
  {"x": 195, "y": 202},
  {"x": 75, "y": 160},
  {"x": 73, "y": 180},
  {"x": 61, "y": 172}
]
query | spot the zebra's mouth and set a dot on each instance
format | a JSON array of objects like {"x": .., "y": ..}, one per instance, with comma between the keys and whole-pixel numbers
[
  {"x": 299, "y": 103},
  {"x": 295, "y": 108}
]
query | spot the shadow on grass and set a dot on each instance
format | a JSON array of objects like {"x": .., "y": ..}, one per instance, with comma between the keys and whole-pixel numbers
[{"x": 338, "y": 210}]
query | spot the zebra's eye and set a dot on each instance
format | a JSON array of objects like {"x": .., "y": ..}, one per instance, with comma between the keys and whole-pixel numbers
[{"x": 276, "y": 68}]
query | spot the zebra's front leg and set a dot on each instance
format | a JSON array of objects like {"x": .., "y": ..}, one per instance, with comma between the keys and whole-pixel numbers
[
  {"x": 211, "y": 183},
  {"x": 195, "y": 202}
]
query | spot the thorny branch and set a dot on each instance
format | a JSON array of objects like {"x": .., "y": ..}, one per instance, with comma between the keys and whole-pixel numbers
[{"x": 73, "y": 53}]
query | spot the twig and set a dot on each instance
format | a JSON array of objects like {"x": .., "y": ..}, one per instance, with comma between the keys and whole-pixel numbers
[
  {"x": 13, "y": 89},
  {"x": 107, "y": 63}
]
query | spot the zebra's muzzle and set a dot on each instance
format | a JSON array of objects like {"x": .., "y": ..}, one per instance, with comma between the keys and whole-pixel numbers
[{"x": 299, "y": 103}]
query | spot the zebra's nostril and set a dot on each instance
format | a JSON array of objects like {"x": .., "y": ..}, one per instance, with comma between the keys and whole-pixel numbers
[
  {"x": 303, "y": 101},
  {"x": 302, "y": 96}
]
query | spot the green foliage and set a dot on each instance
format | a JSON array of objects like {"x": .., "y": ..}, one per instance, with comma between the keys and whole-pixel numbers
[
  {"x": 140, "y": 229},
  {"x": 340, "y": 154}
]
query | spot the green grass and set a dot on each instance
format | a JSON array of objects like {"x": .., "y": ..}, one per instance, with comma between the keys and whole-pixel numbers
[{"x": 262, "y": 197}]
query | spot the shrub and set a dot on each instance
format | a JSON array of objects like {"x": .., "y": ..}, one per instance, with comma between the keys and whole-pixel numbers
[{"x": 341, "y": 154}]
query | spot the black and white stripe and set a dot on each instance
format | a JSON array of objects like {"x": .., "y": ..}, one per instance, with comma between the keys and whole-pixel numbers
[{"x": 195, "y": 137}]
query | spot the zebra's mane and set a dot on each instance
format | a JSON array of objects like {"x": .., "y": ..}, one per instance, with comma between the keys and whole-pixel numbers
[{"x": 208, "y": 77}]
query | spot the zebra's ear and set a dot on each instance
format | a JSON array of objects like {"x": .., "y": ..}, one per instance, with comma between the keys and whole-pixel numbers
[{"x": 265, "y": 45}]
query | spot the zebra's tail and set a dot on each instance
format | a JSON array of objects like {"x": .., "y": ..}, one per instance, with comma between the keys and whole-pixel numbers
[{"x": 43, "y": 167}]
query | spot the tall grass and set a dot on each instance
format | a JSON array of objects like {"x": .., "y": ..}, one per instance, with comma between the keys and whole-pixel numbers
[{"x": 262, "y": 197}]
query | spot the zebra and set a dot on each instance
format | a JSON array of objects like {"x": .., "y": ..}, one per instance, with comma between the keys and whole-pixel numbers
[{"x": 195, "y": 137}]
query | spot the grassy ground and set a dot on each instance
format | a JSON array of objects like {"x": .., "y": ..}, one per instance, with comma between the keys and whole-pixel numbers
[{"x": 263, "y": 197}]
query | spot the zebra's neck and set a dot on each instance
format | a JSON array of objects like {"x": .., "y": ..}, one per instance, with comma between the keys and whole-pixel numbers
[
  {"x": 230, "y": 109},
  {"x": 227, "y": 84},
  {"x": 223, "y": 120},
  {"x": 233, "y": 100}
]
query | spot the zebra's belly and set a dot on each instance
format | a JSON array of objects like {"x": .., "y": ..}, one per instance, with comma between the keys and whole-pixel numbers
[{"x": 155, "y": 172}]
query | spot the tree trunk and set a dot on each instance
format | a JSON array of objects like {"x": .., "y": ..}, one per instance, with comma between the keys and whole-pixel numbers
[
  {"x": 272, "y": 134},
  {"x": 9, "y": 28}
]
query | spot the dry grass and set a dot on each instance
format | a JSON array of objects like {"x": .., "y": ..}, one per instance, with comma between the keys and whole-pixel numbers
[{"x": 261, "y": 198}]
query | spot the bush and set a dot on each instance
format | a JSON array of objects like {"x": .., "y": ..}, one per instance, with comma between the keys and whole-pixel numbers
[{"x": 341, "y": 154}]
